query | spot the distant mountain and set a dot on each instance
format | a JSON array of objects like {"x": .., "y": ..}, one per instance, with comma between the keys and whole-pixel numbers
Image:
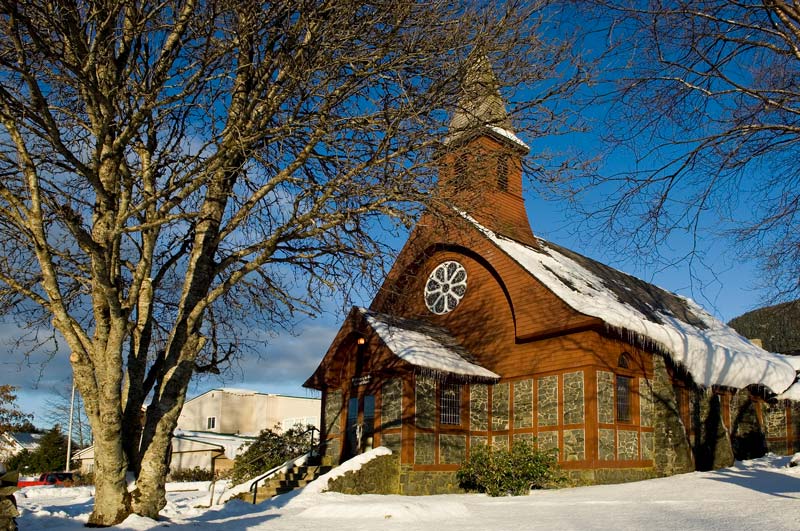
[{"x": 778, "y": 327}]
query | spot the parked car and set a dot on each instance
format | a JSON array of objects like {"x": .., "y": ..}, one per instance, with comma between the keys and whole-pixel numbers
[{"x": 62, "y": 479}]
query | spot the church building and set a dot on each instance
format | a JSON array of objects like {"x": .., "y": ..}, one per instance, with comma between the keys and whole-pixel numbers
[{"x": 484, "y": 333}]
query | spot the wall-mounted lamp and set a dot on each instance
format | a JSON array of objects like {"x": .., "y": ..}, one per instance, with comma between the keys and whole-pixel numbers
[{"x": 361, "y": 341}]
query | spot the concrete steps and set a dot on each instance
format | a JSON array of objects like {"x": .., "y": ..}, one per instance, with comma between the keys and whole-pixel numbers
[{"x": 294, "y": 478}]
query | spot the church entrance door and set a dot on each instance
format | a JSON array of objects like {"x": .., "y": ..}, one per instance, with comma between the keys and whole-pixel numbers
[{"x": 360, "y": 425}]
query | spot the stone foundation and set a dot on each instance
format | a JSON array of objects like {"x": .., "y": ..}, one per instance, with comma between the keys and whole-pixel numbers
[
  {"x": 417, "y": 483},
  {"x": 379, "y": 476},
  {"x": 606, "y": 476}
]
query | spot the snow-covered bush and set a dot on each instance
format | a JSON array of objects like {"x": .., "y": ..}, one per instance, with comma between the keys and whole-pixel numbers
[{"x": 500, "y": 472}]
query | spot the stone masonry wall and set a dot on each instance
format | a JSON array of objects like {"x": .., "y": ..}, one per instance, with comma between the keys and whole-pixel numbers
[
  {"x": 574, "y": 445},
  {"x": 605, "y": 397},
  {"x": 479, "y": 407},
  {"x": 425, "y": 402},
  {"x": 419, "y": 483},
  {"x": 523, "y": 404},
  {"x": 606, "y": 449},
  {"x": 392, "y": 441},
  {"x": 573, "y": 398},
  {"x": 391, "y": 404},
  {"x": 424, "y": 448},
  {"x": 548, "y": 401},
  {"x": 747, "y": 438},
  {"x": 776, "y": 427},
  {"x": 333, "y": 408},
  {"x": 646, "y": 406},
  {"x": 378, "y": 476},
  {"x": 712, "y": 442},
  {"x": 627, "y": 445},
  {"x": 672, "y": 452},
  {"x": 500, "y": 407},
  {"x": 452, "y": 449},
  {"x": 547, "y": 440}
]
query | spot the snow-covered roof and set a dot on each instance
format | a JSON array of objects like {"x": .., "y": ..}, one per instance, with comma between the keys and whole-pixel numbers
[
  {"x": 712, "y": 352},
  {"x": 236, "y": 391},
  {"x": 28, "y": 441},
  {"x": 247, "y": 392},
  {"x": 508, "y": 134},
  {"x": 426, "y": 346},
  {"x": 185, "y": 440},
  {"x": 232, "y": 445},
  {"x": 793, "y": 393}
]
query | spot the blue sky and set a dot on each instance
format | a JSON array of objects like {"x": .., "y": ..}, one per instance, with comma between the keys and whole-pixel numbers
[{"x": 721, "y": 282}]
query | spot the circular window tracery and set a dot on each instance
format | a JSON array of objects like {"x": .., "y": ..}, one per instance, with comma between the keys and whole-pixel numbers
[{"x": 445, "y": 287}]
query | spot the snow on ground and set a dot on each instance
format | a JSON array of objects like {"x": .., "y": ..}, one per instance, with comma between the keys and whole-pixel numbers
[{"x": 759, "y": 494}]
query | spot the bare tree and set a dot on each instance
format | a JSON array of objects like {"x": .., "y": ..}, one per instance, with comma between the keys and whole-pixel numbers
[
  {"x": 703, "y": 101},
  {"x": 58, "y": 409},
  {"x": 174, "y": 172}
]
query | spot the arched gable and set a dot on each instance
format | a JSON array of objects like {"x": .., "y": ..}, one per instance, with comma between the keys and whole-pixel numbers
[{"x": 532, "y": 309}]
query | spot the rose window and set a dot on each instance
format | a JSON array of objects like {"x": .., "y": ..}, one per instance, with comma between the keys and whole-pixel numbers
[{"x": 445, "y": 287}]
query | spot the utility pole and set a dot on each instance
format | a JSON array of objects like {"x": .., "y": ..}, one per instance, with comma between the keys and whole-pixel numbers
[{"x": 69, "y": 430}]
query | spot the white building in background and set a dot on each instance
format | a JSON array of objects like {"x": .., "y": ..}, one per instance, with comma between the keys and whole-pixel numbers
[
  {"x": 208, "y": 451},
  {"x": 245, "y": 412},
  {"x": 218, "y": 425},
  {"x": 13, "y": 442}
]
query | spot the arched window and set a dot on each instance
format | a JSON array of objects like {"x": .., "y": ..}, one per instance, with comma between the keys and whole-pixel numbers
[
  {"x": 502, "y": 173},
  {"x": 460, "y": 171},
  {"x": 624, "y": 361}
]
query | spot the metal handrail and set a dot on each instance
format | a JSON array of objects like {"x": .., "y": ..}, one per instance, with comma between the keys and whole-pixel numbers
[{"x": 293, "y": 461}]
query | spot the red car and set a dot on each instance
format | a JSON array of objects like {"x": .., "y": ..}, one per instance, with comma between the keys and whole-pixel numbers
[{"x": 62, "y": 479}]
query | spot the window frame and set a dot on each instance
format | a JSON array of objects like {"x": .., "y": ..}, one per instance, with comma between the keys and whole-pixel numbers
[
  {"x": 623, "y": 403},
  {"x": 450, "y": 405},
  {"x": 211, "y": 423}
]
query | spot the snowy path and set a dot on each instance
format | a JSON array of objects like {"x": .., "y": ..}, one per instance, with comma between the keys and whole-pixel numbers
[{"x": 761, "y": 494}]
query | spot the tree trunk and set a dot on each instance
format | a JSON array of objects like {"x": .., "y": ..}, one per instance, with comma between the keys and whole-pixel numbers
[
  {"x": 150, "y": 494},
  {"x": 162, "y": 418},
  {"x": 112, "y": 501}
]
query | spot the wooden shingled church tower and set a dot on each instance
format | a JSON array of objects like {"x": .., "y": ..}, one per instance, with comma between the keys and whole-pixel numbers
[{"x": 483, "y": 333}]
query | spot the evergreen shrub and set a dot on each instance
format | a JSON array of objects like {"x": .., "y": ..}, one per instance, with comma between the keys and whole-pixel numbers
[
  {"x": 269, "y": 450},
  {"x": 191, "y": 474},
  {"x": 501, "y": 472},
  {"x": 50, "y": 455}
]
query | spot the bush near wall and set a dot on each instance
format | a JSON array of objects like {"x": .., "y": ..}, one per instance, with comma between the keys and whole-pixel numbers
[{"x": 501, "y": 472}]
